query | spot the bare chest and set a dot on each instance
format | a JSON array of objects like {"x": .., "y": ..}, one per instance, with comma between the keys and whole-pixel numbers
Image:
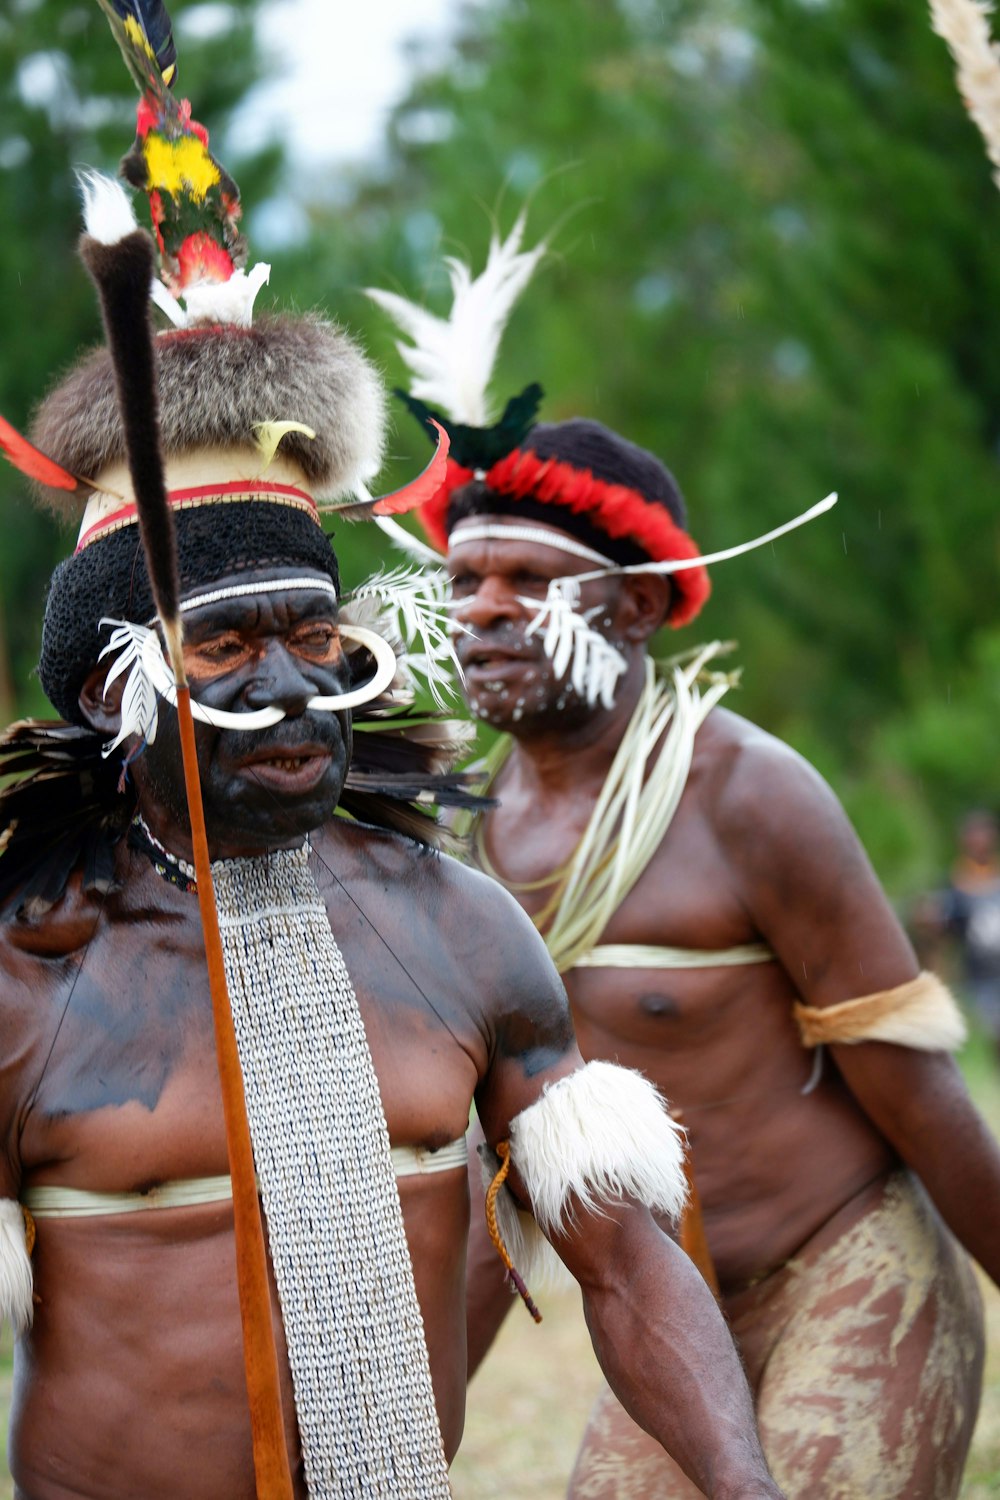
[
  {"x": 556, "y": 863},
  {"x": 128, "y": 1095}
]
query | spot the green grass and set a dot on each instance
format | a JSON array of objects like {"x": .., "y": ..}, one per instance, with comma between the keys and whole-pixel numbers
[{"x": 6, "y": 1376}]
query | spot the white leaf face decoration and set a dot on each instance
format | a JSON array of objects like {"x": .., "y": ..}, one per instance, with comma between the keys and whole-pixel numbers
[
  {"x": 575, "y": 649},
  {"x": 417, "y": 602}
]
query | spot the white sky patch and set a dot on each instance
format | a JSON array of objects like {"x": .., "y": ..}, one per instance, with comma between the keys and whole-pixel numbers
[{"x": 336, "y": 72}]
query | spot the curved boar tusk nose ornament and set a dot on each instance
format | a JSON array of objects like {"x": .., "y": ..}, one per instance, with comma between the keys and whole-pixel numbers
[
  {"x": 138, "y": 647},
  {"x": 385, "y": 671}
]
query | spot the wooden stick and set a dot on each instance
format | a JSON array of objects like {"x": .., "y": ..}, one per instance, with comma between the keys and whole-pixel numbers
[
  {"x": 693, "y": 1239},
  {"x": 270, "y": 1452}
]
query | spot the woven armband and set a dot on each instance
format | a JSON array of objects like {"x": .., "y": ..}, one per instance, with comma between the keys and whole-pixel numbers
[
  {"x": 921, "y": 1014},
  {"x": 598, "y": 1136},
  {"x": 15, "y": 1267}
]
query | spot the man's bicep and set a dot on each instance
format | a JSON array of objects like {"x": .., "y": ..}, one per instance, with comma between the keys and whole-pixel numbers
[{"x": 807, "y": 882}]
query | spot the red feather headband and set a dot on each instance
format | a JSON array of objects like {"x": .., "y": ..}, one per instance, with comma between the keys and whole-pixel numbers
[{"x": 620, "y": 512}]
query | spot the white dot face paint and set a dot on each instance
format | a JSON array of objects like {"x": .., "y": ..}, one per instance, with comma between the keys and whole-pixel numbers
[{"x": 523, "y": 658}]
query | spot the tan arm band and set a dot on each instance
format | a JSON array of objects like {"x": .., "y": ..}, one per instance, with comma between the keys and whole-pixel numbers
[{"x": 921, "y": 1013}]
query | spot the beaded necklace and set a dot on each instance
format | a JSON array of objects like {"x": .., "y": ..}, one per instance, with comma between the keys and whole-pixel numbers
[{"x": 170, "y": 867}]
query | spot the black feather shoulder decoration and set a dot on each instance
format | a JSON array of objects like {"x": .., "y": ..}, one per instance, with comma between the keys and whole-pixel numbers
[{"x": 62, "y": 810}]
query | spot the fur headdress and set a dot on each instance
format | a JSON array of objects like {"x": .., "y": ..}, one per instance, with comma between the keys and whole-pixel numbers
[{"x": 215, "y": 386}]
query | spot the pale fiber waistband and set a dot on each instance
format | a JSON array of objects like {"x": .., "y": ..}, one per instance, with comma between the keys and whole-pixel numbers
[
  {"x": 56, "y": 1202},
  {"x": 636, "y": 956}
]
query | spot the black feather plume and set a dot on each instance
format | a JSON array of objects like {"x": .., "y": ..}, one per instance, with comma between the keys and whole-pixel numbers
[
  {"x": 60, "y": 807},
  {"x": 482, "y": 447},
  {"x": 122, "y": 273}
]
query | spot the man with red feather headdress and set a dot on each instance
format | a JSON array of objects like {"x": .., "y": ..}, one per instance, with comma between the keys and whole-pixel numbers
[{"x": 720, "y": 930}]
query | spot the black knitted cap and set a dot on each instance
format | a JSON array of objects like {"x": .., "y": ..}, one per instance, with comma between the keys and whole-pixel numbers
[
  {"x": 109, "y": 579},
  {"x": 591, "y": 447}
]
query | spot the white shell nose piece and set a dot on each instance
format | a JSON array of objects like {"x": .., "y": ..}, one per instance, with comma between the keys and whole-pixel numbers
[
  {"x": 385, "y": 671},
  {"x": 263, "y": 718}
]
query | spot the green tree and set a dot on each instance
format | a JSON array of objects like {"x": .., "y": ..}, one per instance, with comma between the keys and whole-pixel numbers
[{"x": 778, "y": 272}]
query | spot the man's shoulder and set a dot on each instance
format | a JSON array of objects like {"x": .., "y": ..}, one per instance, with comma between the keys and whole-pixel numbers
[
  {"x": 452, "y": 924},
  {"x": 729, "y": 745},
  {"x": 755, "y": 784},
  {"x": 454, "y": 889}
]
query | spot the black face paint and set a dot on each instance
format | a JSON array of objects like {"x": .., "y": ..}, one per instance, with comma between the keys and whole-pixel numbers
[{"x": 267, "y": 787}]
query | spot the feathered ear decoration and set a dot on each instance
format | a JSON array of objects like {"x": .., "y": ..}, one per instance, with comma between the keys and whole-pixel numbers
[
  {"x": 452, "y": 358},
  {"x": 416, "y": 604}
]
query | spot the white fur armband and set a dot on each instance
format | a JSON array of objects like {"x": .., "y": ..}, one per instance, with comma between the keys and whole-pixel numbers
[
  {"x": 15, "y": 1267},
  {"x": 600, "y": 1135}
]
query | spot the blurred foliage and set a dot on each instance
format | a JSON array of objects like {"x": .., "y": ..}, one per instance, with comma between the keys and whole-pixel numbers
[
  {"x": 773, "y": 262},
  {"x": 774, "y": 236}
]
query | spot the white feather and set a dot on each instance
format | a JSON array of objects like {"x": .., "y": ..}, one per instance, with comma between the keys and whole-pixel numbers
[
  {"x": 138, "y": 652},
  {"x": 168, "y": 303},
  {"x": 418, "y": 603},
  {"x": 407, "y": 542},
  {"x": 16, "y": 1305},
  {"x": 108, "y": 215},
  {"x": 452, "y": 358},
  {"x": 226, "y": 301},
  {"x": 594, "y": 1138}
]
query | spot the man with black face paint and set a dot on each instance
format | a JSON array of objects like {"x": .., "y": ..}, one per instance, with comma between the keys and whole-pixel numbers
[{"x": 360, "y": 1053}]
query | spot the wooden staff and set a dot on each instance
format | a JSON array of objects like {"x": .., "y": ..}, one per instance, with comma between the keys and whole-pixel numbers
[{"x": 123, "y": 272}]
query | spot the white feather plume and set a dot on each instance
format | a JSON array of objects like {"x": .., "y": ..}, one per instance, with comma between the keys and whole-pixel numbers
[
  {"x": 108, "y": 215},
  {"x": 595, "y": 1137},
  {"x": 407, "y": 542},
  {"x": 139, "y": 654},
  {"x": 16, "y": 1303},
  {"x": 452, "y": 358}
]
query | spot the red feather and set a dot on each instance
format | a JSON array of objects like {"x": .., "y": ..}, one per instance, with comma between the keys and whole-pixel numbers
[
  {"x": 426, "y": 484},
  {"x": 26, "y": 457}
]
